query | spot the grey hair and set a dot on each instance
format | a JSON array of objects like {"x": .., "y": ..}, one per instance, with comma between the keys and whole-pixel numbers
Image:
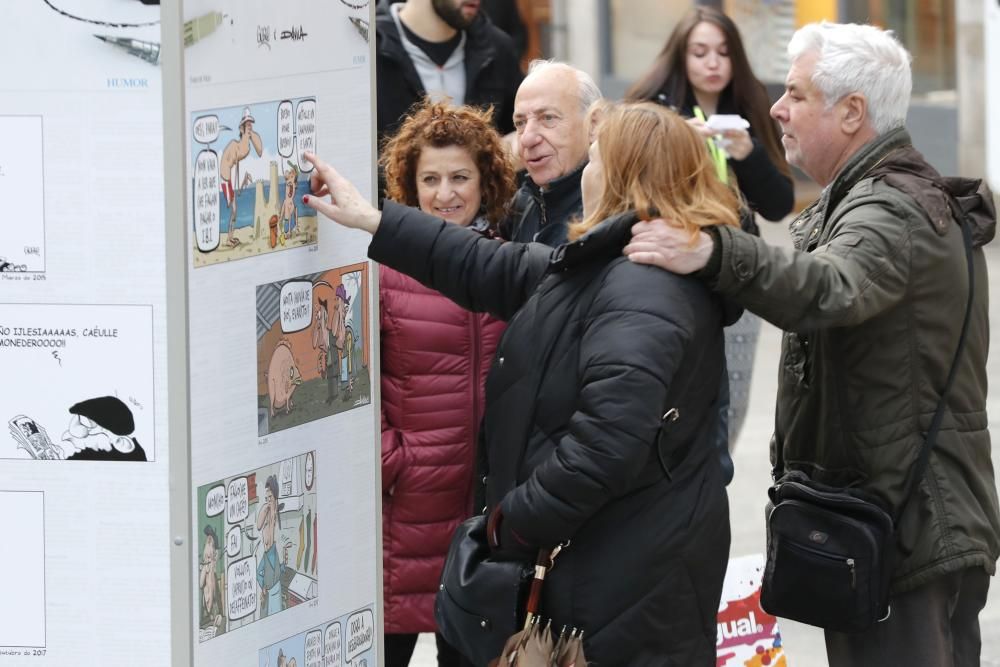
[
  {"x": 855, "y": 58},
  {"x": 587, "y": 89}
]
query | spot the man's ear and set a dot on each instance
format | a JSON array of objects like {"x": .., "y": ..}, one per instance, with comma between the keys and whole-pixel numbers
[
  {"x": 594, "y": 115},
  {"x": 853, "y": 113},
  {"x": 124, "y": 444}
]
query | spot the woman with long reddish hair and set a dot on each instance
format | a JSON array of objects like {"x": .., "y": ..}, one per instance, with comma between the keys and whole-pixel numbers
[
  {"x": 703, "y": 70},
  {"x": 703, "y": 65},
  {"x": 601, "y": 396},
  {"x": 450, "y": 163}
]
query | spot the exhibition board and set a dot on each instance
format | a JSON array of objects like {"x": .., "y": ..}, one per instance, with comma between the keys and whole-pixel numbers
[{"x": 187, "y": 349}]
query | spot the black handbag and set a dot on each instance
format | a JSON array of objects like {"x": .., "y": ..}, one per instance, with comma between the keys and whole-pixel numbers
[
  {"x": 479, "y": 600},
  {"x": 831, "y": 551}
]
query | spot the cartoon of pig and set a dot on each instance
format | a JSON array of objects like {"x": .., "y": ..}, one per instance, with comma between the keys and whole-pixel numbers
[{"x": 282, "y": 377}]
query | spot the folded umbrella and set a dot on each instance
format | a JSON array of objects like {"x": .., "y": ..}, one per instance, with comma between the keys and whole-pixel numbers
[{"x": 570, "y": 654}]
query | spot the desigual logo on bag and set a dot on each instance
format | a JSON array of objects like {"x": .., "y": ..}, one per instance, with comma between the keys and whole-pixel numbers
[{"x": 744, "y": 626}]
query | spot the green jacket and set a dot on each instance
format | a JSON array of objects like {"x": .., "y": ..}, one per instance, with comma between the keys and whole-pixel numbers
[{"x": 871, "y": 301}]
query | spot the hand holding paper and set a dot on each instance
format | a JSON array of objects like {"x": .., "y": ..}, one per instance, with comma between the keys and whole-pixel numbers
[
  {"x": 735, "y": 138},
  {"x": 727, "y": 121}
]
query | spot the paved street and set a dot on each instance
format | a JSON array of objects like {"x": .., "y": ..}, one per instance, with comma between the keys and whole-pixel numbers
[{"x": 804, "y": 644}]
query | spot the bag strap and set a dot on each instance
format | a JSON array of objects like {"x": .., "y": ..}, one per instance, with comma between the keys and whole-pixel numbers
[{"x": 932, "y": 432}]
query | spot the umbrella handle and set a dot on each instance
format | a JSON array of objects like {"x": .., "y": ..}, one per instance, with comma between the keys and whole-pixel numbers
[{"x": 543, "y": 563}]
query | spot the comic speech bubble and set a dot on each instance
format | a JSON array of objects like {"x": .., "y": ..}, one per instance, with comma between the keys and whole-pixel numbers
[
  {"x": 206, "y": 200},
  {"x": 305, "y": 132},
  {"x": 296, "y": 305},
  {"x": 241, "y": 589},
  {"x": 234, "y": 541},
  {"x": 360, "y": 633},
  {"x": 332, "y": 650},
  {"x": 215, "y": 501},
  {"x": 314, "y": 648},
  {"x": 286, "y": 129},
  {"x": 238, "y": 506},
  {"x": 206, "y": 129}
]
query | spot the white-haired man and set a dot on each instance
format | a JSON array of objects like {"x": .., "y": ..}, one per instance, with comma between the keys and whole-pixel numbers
[
  {"x": 872, "y": 300},
  {"x": 550, "y": 118}
]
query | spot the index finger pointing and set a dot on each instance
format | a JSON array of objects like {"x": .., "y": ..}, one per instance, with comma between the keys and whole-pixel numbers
[{"x": 315, "y": 160}]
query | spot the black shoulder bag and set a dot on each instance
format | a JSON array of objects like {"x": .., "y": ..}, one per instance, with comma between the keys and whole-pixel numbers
[{"x": 831, "y": 552}]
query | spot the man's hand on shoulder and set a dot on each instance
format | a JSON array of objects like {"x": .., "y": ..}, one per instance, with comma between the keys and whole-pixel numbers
[{"x": 659, "y": 243}]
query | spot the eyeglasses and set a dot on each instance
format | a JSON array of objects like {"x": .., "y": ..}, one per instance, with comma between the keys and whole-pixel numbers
[{"x": 547, "y": 119}]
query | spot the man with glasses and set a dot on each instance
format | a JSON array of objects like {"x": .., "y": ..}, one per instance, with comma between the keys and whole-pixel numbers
[{"x": 550, "y": 119}]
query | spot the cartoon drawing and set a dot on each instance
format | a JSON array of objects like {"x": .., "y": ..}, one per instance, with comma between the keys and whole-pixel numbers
[
  {"x": 321, "y": 340},
  {"x": 253, "y": 189},
  {"x": 89, "y": 391},
  {"x": 342, "y": 339},
  {"x": 282, "y": 377},
  {"x": 311, "y": 347},
  {"x": 269, "y": 568},
  {"x": 210, "y": 583},
  {"x": 347, "y": 641},
  {"x": 248, "y": 526},
  {"x": 100, "y": 430},
  {"x": 9, "y": 267},
  {"x": 33, "y": 438},
  {"x": 229, "y": 167},
  {"x": 289, "y": 211}
]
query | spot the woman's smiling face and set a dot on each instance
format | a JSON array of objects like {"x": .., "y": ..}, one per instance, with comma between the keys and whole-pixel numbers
[{"x": 448, "y": 184}]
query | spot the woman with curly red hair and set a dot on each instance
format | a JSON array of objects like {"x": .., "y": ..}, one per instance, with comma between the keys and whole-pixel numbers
[{"x": 449, "y": 162}]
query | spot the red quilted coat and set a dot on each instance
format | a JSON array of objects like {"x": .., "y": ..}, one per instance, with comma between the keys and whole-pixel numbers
[{"x": 435, "y": 357}]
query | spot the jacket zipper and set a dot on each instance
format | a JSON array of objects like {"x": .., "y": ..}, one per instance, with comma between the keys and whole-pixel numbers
[{"x": 476, "y": 390}]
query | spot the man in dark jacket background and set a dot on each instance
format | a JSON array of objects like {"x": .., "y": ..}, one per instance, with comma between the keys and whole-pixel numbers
[
  {"x": 872, "y": 301},
  {"x": 441, "y": 48},
  {"x": 550, "y": 117}
]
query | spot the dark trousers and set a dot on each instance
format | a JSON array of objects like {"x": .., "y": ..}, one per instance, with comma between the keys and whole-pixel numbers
[
  {"x": 936, "y": 625},
  {"x": 399, "y": 650}
]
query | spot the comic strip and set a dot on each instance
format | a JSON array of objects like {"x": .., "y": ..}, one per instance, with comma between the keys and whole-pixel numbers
[
  {"x": 78, "y": 382},
  {"x": 249, "y": 176},
  {"x": 312, "y": 347},
  {"x": 257, "y": 545},
  {"x": 22, "y": 246},
  {"x": 22, "y": 622},
  {"x": 348, "y": 641}
]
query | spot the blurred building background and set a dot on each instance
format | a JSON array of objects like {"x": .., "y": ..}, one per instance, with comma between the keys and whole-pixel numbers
[{"x": 615, "y": 40}]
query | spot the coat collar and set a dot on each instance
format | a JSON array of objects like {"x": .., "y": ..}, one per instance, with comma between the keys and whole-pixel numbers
[
  {"x": 858, "y": 166},
  {"x": 607, "y": 238},
  {"x": 893, "y": 158},
  {"x": 559, "y": 187}
]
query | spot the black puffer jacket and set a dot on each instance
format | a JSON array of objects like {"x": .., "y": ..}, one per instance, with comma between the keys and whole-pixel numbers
[{"x": 596, "y": 350}]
